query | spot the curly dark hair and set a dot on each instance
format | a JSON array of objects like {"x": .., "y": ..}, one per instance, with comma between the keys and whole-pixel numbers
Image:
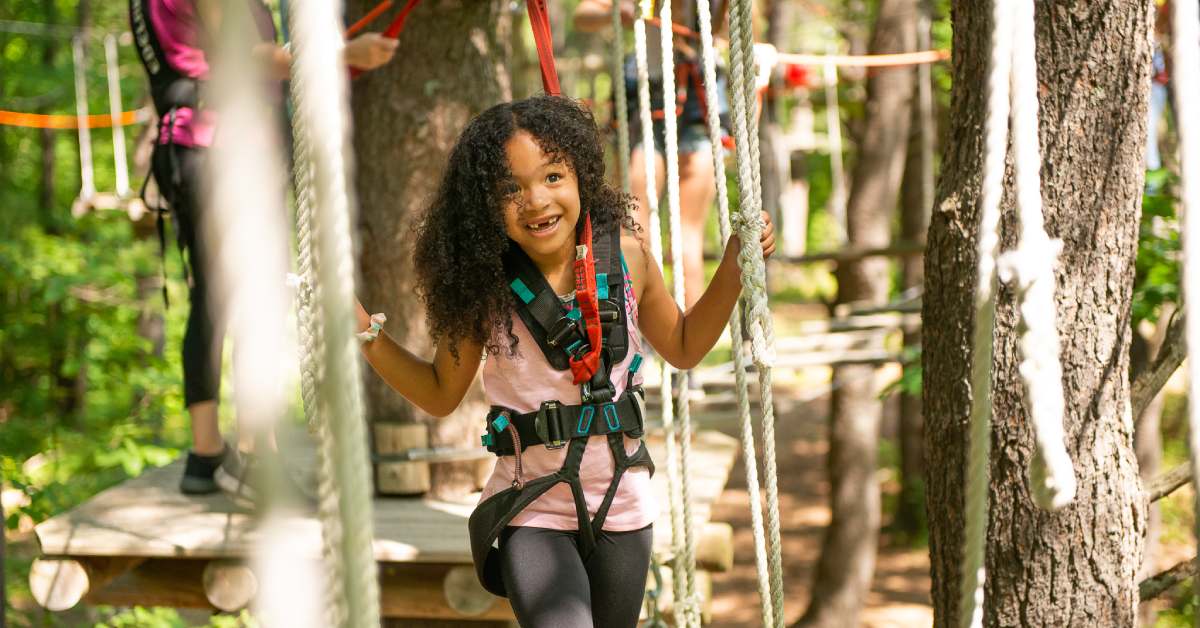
[{"x": 461, "y": 240}]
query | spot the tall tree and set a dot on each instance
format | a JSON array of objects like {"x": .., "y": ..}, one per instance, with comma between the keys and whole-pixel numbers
[
  {"x": 847, "y": 561},
  {"x": 916, "y": 200},
  {"x": 1077, "y": 566},
  {"x": 451, "y": 65}
]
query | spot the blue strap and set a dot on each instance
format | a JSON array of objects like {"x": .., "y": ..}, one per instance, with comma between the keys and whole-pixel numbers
[
  {"x": 636, "y": 363},
  {"x": 522, "y": 290},
  {"x": 575, "y": 314},
  {"x": 611, "y": 417},
  {"x": 602, "y": 286},
  {"x": 585, "y": 420}
]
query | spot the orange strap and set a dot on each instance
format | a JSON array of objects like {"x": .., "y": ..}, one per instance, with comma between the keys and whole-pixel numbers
[{"x": 65, "y": 121}]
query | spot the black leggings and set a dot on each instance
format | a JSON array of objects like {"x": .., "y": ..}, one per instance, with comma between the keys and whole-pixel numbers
[
  {"x": 550, "y": 586},
  {"x": 179, "y": 172}
]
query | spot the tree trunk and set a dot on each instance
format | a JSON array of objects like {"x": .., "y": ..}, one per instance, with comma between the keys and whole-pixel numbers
[
  {"x": 1076, "y": 567},
  {"x": 451, "y": 65},
  {"x": 916, "y": 200},
  {"x": 847, "y": 561}
]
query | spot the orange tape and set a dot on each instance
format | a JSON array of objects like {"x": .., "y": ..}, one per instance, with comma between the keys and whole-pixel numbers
[
  {"x": 867, "y": 61},
  {"x": 64, "y": 121}
]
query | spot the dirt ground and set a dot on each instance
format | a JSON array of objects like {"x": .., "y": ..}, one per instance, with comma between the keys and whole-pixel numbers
[{"x": 900, "y": 594}]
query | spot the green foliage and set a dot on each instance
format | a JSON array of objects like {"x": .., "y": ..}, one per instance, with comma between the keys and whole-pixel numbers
[{"x": 1159, "y": 248}]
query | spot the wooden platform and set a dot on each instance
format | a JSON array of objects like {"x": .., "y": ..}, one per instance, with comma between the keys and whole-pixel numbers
[{"x": 143, "y": 542}]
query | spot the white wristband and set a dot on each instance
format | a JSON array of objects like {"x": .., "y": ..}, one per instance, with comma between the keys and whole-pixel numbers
[{"x": 372, "y": 332}]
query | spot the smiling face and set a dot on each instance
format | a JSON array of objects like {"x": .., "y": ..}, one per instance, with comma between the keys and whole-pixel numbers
[{"x": 541, "y": 214}]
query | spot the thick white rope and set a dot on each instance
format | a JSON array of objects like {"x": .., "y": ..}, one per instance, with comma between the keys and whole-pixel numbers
[
  {"x": 1186, "y": 41},
  {"x": 323, "y": 114},
  {"x": 87, "y": 187},
  {"x": 678, "y": 583},
  {"x": 979, "y": 453},
  {"x": 708, "y": 54},
  {"x": 1031, "y": 265},
  {"x": 687, "y": 605},
  {"x": 620, "y": 106},
  {"x": 750, "y": 225}
]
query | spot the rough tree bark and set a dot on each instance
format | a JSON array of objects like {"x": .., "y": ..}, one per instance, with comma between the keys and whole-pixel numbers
[
  {"x": 451, "y": 65},
  {"x": 847, "y": 561},
  {"x": 1076, "y": 567}
]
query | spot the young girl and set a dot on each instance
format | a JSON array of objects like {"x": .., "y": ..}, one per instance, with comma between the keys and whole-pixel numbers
[{"x": 528, "y": 258}]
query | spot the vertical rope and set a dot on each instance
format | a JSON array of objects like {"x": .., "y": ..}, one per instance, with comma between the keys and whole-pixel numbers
[
  {"x": 312, "y": 345},
  {"x": 620, "y": 105},
  {"x": 1186, "y": 41},
  {"x": 995, "y": 148},
  {"x": 114, "y": 109},
  {"x": 1031, "y": 265},
  {"x": 708, "y": 53},
  {"x": 750, "y": 226},
  {"x": 322, "y": 110},
  {"x": 687, "y": 605},
  {"x": 87, "y": 186}
]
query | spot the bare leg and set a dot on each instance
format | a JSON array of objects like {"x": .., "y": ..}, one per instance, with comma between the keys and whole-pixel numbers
[
  {"x": 206, "y": 433},
  {"x": 637, "y": 184}
]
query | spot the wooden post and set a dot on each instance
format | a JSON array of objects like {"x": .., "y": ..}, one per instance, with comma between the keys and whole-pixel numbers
[
  {"x": 464, "y": 594},
  {"x": 401, "y": 478},
  {"x": 229, "y": 585},
  {"x": 59, "y": 583}
]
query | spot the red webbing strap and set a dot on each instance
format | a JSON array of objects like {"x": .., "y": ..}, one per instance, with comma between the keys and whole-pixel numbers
[
  {"x": 368, "y": 18},
  {"x": 397, "y": 25},
  {"x": 393, "y": 30},
  {"x": 585, "y": 367},
  {"x": 539, "y": 22}
]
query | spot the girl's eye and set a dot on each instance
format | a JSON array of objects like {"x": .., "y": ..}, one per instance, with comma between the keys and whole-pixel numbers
[{"x": 554, "y": 177}]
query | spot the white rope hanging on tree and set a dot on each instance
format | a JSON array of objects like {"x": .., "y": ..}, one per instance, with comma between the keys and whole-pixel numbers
[
  {"x": 345, "y": 492},
  {"x": 1012, "y": 81},
  {"x": 708, "y": 54},
  {"x": 1186, "y": 42},
  {"x": 620, "y": 106},
  {"x": 749, "y": 227}
]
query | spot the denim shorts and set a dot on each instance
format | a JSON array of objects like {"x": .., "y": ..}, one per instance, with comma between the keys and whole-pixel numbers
[{"x": 691, "y": 138}]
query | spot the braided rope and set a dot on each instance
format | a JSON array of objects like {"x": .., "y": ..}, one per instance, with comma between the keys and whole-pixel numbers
[
  {"x": 1186, "y": 41},
  {"x": 323, "y": 114},
  {"x": 750, "y": 225},
  {"x": 687, "y": 605},
  {"x": 619, "y": 101},
  {"x": 708, "y": 54},
  {"x": 312, "y": 345},
  {"x": 678, "y": 584},
  {"x": 1031, "y": 265},
  {"x": 979, "y": 452}
]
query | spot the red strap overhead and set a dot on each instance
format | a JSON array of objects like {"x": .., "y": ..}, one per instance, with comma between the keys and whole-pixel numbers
[
  {"x": 393, "y": 29},
  {"x": 583, "y": 368},
  {"x": 539, "y": 21},
  {"x": 397, "y": 25},
  {"x": 365, "y": 20}
]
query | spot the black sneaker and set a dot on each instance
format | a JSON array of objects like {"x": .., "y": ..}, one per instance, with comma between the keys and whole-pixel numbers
[
  {"x": 234, "y": 474},
  {"x": 198, "y": 473}
]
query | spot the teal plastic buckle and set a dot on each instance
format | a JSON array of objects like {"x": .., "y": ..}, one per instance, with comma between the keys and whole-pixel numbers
[
  {"x": 486, "y": 440},
  {"x": 585, "y": 420},
  {"x": 601, "y": 286},
  {"x": 500, "y": 422},
  {"x": 611, "y": 417},
  {"x": 636, "y": 363}
]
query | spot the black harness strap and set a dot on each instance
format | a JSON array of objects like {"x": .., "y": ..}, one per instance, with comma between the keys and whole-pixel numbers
[{"x": 554, "y": 425}]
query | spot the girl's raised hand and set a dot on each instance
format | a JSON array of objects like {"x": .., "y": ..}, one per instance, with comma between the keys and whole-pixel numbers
[{"x": 768, "y": 236}]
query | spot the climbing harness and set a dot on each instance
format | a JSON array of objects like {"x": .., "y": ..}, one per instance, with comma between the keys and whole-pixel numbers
[{"x": 587, "y": 341}]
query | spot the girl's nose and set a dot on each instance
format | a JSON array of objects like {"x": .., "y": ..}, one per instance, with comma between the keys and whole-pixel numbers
[{"x": 539, "y": 198}]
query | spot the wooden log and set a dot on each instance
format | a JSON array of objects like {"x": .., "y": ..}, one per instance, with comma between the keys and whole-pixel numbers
[
  {"x": 229, "y": 585},
  {"x": 401, "y": 478},
  {"x": 177, "y": 583},
  {"x": 418, "y": 591},
  {"x": 59, "y": 583},
  {"x": 714, "y": 547},
  {"x": 464, "y": 594}
]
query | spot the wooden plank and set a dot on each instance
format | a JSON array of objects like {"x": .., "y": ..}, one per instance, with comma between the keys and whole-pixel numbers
[{"x": 147, "y": 517}]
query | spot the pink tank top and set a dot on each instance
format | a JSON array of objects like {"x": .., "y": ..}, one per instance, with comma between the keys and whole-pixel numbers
[{"x": 522, "y": 383}]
